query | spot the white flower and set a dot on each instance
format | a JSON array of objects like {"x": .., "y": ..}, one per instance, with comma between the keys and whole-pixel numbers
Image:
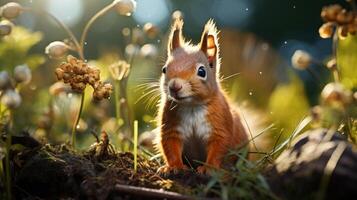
[
  {"x": 56, "y": 49},
  {"x": 22, "y": 74},
  {"x": 11, "y": 99},
  {"x": 301, "y": 60},
  {"x": 131, "y": 49},
  {"x": 125, "y": 7},
  {"x": 11, "y": 10},
  {"x": 5, "y": 27},
  {"x": 5, "y": 80},
  {"x": 148, "y": 51}
]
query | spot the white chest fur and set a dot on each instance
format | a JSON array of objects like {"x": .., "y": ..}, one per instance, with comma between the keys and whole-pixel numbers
[{"x": 193, "y": 122}]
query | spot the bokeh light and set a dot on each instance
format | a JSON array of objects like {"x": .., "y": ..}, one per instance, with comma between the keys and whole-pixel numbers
[
  {"x": 68, "y": 11},
  {"x": 154, "y": 11}
]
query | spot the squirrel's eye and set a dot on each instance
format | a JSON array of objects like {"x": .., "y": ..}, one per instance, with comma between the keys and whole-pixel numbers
[
  {"x": 201, "y": 72},
  {"x": 164, "y": 70}
]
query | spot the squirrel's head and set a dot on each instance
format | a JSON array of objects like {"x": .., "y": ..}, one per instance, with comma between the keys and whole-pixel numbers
[{"x": 190, "y": 73}]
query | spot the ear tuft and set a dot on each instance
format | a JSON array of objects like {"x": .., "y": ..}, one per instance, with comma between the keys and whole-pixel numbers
[
  {"x": 211, "y": 28},
  {"x": 175, "y": 39},
  {"x": 209, "y": 42}
]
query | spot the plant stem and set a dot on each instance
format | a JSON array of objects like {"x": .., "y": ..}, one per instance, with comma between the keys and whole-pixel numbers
[
  {"x": 81, "y": 53},
  {"x": 7, "y": 160},
  {"x": 90, "y": 23},
  {"x": 117, "y": 103},
  {"x": 135, "y": 152},
  {"x": 75, "y": 125},
  {"x": 62, "y": 25},
  {"x": 336, "y": 74}
]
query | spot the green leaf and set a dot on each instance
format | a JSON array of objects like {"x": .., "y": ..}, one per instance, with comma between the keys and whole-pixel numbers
[{"x": 14, "y": 48}]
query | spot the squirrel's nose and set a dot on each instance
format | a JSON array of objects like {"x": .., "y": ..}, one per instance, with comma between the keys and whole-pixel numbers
[{"x": 175, "y": 87}]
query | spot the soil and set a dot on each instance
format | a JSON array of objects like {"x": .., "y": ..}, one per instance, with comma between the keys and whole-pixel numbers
[{"x": 52, "y": 172}]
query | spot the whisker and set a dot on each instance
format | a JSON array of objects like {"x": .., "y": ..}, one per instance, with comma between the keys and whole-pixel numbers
[
  {"x": 154, "y": 100},
  {"x": 145, "y": 86},
  {"x": 228, "y": 77},
  {"x": 173, "y": 107},
  {"x": 145, "y": 95}
]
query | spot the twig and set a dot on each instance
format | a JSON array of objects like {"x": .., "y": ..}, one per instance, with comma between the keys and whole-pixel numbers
[{"x": 154, "y": 193}]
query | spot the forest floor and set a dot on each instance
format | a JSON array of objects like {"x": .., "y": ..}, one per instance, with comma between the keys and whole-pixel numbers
[{"x": 52, "y": 171}]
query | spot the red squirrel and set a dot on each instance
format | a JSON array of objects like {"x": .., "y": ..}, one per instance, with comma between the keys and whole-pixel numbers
[{"x": 196, "y": 120}]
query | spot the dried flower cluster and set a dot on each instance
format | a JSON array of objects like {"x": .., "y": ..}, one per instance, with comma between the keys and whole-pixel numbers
[
  {"x": 119, "y": 70},
  {"x": 335, "y": 16},
  {"x": 78, "y": 74}
]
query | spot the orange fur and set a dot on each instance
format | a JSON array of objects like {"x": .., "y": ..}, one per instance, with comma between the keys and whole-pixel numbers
[{"x": 199, "y": 112}]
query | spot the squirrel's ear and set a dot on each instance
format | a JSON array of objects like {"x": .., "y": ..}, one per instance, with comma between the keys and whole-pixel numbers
[
  {"x": 175, "y": 39},
  {"x": 209, "y": 42}
]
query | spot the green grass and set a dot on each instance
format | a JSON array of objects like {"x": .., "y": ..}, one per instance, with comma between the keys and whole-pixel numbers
[{"x": 135, "y": 150}]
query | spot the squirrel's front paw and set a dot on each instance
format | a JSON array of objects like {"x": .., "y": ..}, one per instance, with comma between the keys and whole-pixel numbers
[
  {"x": 166, "y": 170},
  {"x": 202, "y": 170}
]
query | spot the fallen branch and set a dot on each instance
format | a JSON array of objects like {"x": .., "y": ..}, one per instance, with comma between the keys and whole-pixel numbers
[{"x": 154, "y": 193}]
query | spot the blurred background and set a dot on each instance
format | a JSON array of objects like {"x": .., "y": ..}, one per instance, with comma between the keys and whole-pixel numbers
[{"x": 257, "y": 40}]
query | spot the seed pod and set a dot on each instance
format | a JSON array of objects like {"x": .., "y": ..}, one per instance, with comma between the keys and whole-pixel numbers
[
  {"x": 329, "y": 13},
  {"x": 352, "y": 29},
  {"x": 125, "y": 7},
  {"x": 11, "y": 10},
  {"x": 148, "y": 51},
  {"x": 344, "y": 17},
  {"x": 5, "y": 80},
  {"x": 22, "y": 74},
  {"x": 11, "y": 99},
  {"x": 59, "y": 73},
  {"x": 301, "y": 60},
  {"x": 5, "y": 27},
  {"x": 56, "y": 49},
  {"x": 343, "y": 32},
  {"x": 332, "y": 65},
  {"x": 334, "y": 94},
  {"x": 151, "y": 30},
  {"x": 326, "y": 30}
]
